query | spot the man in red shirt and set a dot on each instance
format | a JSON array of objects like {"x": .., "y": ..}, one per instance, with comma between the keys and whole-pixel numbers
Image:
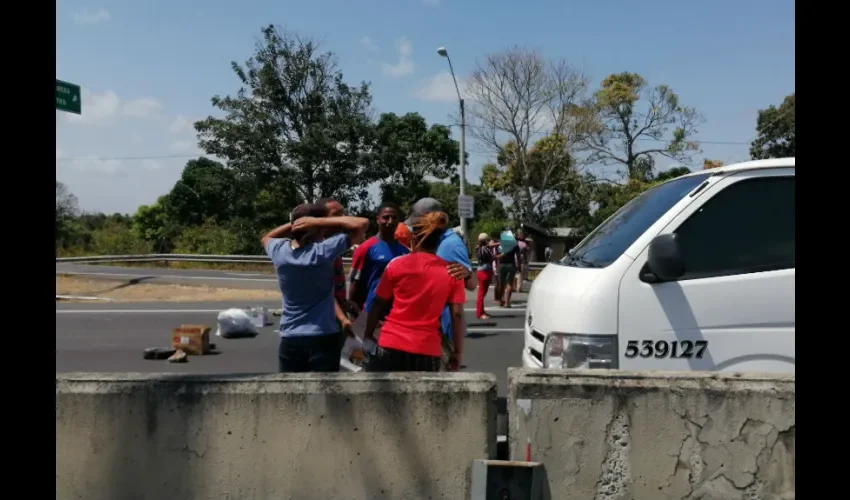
[{"x": 419, "y": 288}]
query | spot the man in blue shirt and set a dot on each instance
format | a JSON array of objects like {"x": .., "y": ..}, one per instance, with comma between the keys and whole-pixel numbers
[
  {"x": 371, "y": 258},
  {"x": 453, "y": 250},
  {"x": 310, "y": 338}
]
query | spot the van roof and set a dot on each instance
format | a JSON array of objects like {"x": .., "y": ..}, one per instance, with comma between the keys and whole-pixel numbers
[{"x": 750, "y": 165}]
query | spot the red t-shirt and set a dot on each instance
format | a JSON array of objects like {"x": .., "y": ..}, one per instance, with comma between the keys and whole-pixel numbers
[{"x": 420, "y": 287}]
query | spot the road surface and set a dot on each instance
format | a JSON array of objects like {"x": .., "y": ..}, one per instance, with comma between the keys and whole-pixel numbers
[{"x": 110, "y": 337}]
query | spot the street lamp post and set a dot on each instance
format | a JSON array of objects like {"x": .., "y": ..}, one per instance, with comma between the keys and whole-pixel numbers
[{"x": 445, "y": 53}]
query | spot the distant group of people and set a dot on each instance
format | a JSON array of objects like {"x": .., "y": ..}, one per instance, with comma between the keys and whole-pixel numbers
[
  {"x": 410, "y": 280},
  {"x": 506, "y": 270}
]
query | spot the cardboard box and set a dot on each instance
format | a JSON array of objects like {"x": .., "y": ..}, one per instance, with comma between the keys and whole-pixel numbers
[{"x": 191, "y": 339}]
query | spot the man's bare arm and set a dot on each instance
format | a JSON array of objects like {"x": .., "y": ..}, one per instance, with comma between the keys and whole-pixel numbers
[
  {"x": 471, "y": 281},
  {"x": 459, "y": 271},
  {"x": 355, "y": 227},
  {"x": 379, "y": 306},
  {"x": 284, "y": 231}
]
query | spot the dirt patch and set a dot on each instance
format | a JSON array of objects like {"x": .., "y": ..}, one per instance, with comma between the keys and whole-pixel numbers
[{"x": 122, "y": 291}]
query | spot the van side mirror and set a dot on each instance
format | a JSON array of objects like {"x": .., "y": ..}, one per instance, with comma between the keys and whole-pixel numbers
[{"x": 664, "y": 260}]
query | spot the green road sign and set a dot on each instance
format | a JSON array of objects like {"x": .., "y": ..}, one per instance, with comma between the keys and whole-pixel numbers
[{"x": 68, "y": 97}]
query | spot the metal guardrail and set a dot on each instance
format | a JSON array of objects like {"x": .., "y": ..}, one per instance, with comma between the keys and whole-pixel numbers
[{"x": 173, "y": 257}]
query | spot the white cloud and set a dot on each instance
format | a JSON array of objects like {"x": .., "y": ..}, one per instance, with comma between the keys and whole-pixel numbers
[
  {"x": 137, "y": 138},
  {"x": 142, "y": 107},
  {"x": 181, "y": 124},
  {"x": 150, "y": 164},
  {"x": 404, "y": 66},
  {"x": 91, "y": 16},
  {"x": 187, "y": 147},
  {"x": 104, "y": 108},
  {"x": 370, "y": 44},
  {"x": 98, "y": 109},
  {"x": 440, "y": 88}
]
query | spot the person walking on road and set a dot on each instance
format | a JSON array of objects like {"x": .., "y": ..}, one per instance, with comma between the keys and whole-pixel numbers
[
  {"x": 498, "y": 286},
  {"x": 484, "y": 253},
  {"x": 310, "y": 338},
  {"x": 371, "y": 258},
  {"x": 523, "y": 253},
  {"x": 507, "y": 273},
  {"x": 419, "y": 288}
]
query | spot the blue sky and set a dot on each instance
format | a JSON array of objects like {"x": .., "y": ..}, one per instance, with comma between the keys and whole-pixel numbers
[{"x": 148, "y": 69}]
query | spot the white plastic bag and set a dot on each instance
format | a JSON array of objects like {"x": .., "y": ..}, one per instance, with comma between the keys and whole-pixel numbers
[
  {"x": 351, "y": 357},
  {"x": 234, "y": 324}
]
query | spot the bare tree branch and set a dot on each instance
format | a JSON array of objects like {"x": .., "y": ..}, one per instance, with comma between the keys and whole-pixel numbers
[{"x": 515, "y": 96}]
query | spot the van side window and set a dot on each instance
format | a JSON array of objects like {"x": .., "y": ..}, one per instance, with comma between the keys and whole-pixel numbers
[{"x": 748, "y": 227}]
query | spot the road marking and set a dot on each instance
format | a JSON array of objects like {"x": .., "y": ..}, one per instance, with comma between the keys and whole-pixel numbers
[
  {"x": 195, "y": 311},
  {"x": 173, "y": 276}
]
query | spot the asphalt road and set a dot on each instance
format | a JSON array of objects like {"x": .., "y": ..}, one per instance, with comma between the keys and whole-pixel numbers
[{"x": 110, "y": 337}]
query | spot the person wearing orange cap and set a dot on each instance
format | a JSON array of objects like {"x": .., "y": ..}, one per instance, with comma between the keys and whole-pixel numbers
[{"x": 402, "y": 235}]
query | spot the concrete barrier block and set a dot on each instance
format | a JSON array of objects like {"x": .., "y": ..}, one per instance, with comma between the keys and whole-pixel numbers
[
  {"x": 607, "y": 435},
  {"x": 394, "y": 436}
]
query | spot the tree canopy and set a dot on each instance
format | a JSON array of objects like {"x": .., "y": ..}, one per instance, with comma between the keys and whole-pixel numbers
[
  {"x": 625, "y": 113},
  {"x": 776, "y": 131}
]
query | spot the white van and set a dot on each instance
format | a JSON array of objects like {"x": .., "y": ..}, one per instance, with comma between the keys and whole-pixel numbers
[{"x": 696, "y": 273}]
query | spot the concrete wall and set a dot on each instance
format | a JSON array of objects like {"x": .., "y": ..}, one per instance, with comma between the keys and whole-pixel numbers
[
  {"x": 137, "y": 436},
  {"x": 607, "y": 435}
]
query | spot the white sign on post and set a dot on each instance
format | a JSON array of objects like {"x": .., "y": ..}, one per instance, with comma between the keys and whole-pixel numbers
[{"x": 465, "y": 206}]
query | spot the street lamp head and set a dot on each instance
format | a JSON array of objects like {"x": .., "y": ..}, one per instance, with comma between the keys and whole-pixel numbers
[{"x": 442, "y": 51}]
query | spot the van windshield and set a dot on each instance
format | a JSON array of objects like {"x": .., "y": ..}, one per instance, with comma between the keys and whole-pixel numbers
[{"x": 608, "y": 241}]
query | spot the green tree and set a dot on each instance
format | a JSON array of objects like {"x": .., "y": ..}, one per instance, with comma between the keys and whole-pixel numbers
[
  {"x": 293, "y": 122},
  {"x": 776, "y": 131},
  {"x": 624, "y": 112},
  {"x": 709, "y": 164},
  {"x": 406, "y": 153},
  {"x": 207, "y": 239},
  {"x": 206, "y": 189},
  {"x": 672, "y": 173},
  {"x": 153, "y": 224},
  {"x": 117, "y": 239},
  {"x": 548, "y": 168}
]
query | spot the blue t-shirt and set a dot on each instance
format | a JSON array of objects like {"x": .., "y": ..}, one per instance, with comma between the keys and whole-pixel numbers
[
  {"x": 452, "y": 249},
  {"x": 306, "y": 279},
  {"x": 369, "y": 261}
]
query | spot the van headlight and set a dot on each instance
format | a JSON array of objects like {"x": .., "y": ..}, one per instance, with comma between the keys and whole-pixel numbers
[{"x": 568, "y": 350}]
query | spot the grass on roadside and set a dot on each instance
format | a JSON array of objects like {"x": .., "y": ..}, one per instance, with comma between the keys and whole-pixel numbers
[
  {"x": 226, "y": 266},
  {"x": 123, "y": 291}
]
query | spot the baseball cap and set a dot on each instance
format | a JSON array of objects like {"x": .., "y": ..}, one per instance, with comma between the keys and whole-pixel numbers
[{"x": 422, "y": 207}]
